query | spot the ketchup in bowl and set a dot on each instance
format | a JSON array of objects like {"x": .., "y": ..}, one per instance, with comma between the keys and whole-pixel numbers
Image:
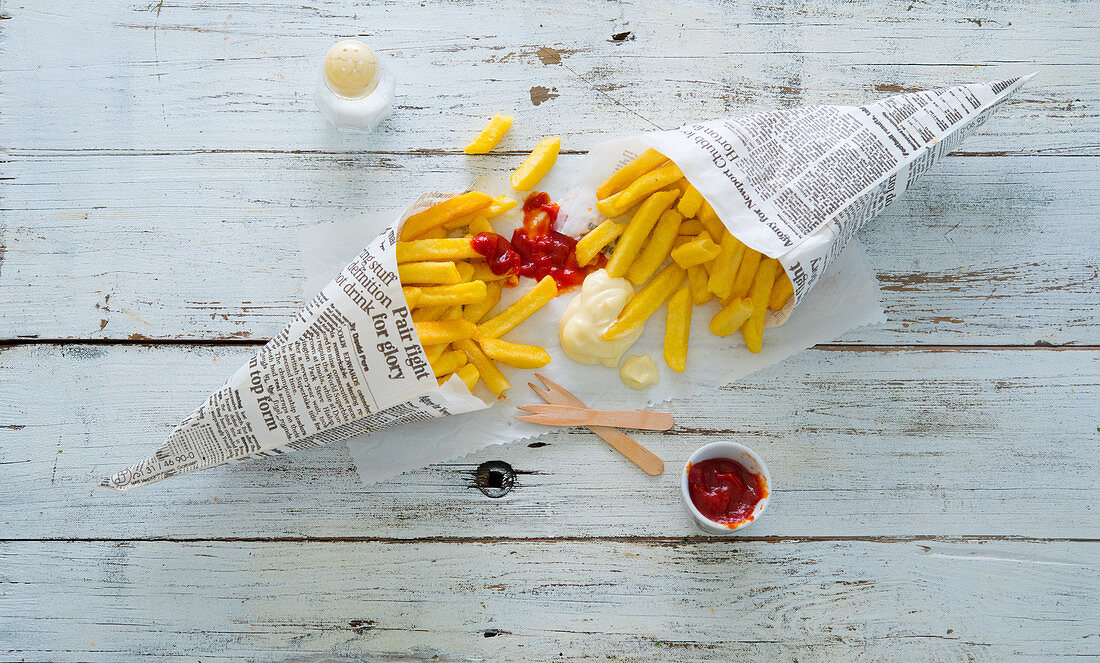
[{"x": 724, "y": 491}]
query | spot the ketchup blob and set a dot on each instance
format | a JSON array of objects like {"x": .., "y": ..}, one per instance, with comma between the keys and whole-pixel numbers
[
  {"x": 536, "y": 250},
  {"x": 724, "y": 491}
]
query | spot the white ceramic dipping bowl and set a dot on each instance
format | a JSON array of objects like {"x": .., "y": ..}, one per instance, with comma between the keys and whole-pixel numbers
[{"x": 740, "y": 453}]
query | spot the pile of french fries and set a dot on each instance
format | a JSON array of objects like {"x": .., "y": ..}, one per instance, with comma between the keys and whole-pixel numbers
[{"x": 676, "y": 249}]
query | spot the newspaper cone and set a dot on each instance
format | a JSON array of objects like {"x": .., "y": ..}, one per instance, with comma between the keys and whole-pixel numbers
[{"x": 794, "y": 184}]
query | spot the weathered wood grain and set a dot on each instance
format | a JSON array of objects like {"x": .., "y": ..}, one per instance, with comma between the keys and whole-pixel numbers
[
  {"x": 204, "y": 246},
  {"x": 875, "y": 442},
  {"x": 230, "y": 75},
  {"x": 975, "y": 600}
]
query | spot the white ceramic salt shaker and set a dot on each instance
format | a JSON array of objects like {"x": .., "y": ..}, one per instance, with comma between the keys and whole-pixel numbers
[{"x": 354, "y": 93}]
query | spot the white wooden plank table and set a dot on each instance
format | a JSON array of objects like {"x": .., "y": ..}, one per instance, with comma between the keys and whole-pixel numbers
[{"x": 936, "y": 476}]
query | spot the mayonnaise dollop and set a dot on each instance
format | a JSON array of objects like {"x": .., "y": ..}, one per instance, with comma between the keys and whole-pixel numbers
[
  {"x": 591, "y": 312},
  {"x": 639, "y": 372}
]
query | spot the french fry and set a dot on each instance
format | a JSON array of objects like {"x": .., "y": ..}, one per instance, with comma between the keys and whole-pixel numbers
[
  {"x": 711, "y": 222},
  {"x": 475, "y": 313},
  {"x": 448, "y": 362},
  {"x": 435, "y": 233},
  {"x": 646, "y": 162},
  {"x": 494, "y": 379},
  {"x": 500, "y": 205},
  {"x": 759, "y": 293},
  {"x": 654, "y": 180},
  {"x": 453, "y": 313},
  {"x": 525, "y": 306},
  {"x": 697, "y": 280},
  {"x": 690, "y": 226},
  {"x": 479, "y": 225},
  {"x": 782, "y": 290},
  {"x": 428, "y": 313},
  {"x": 483, "y": 272},
  {"x": 724, "y": 269},
  {"x": 434, "y": 352},
  {"x": 636, "y": 232},
  {"x": 646, "y": 301},
  {"x": 690, "y": 202},
  {"x": 677, "y": 328},
  {"x": 439, "y": 214},
  {"x": 696, "y": 252},
  {"x": 660, "y": 243},
  {"x": 731, "y": 317},
  {"x": 444, "y": 331},
  {"x": 437, "y": 273},
  {"x": 469, "y": 376},
  {"x": 490, "y": 135},
  {"x": 465, "y": 271},
  {"x": 446, "y": 295},
  {"x": 423, "y": 250},
  {"x": 536, "y": 165},
  {"x": 514, "y": 354},
  {"x": 596, "y": 239},
  {"x": 746, "y": 271}
]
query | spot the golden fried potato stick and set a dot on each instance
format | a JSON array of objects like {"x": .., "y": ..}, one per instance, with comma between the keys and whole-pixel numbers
[
  {"x": 446, "y": 295},
  {"x": 677, "y": 329},
  {"x": 690, "y": 226},
  {"x": 630, "y": 243},
  {"x": 697, "y": 280},
  {"x": 500, "y": 205},
  {"x": 782, "y": 290},
  {"x": 761, "y": 290},
  {"x": 490, "y": 135},
  {"x": 435, "y": 233},
  {"x": 536, "y": 165},
  {"x": 690, "y": 202},
  {"x": 483, "y": 272},
  {"x": 479, "y": 225},
  {"x": 458, "y": 248},
  {"x": 444, "y": 331},
  {"x": 439, "y": 214},
  {"x": 448, "y": 362},
  {"x": 494, "y": 379},
  {"x": 646, "y": 162},
  {"x": 428, "y": 313},
  {"x": 696, "y": 252},
  {"x": 746, "y": 272},
  {"x": 596, "y": 239},
  {"x": 469, "y": 376},
  {"x": 525, "y": 306},
  {"x": 465, "y": 271},
  {"x": 452, "y": 313},
  {"x": 514, "y": 354},
  {"x": 434, "y": 273},
  {"x": 475, "y": 313},
  {"x": 731, "y": 317},
  {"x": 646, "y": 301},
  {"x": 724, "y": 269},
  {"x": 434, "y": 352},
  {"x": 711, "y": 222},
  {"x": 654, "y": 180},
  {"x": 657, "y": 249}
]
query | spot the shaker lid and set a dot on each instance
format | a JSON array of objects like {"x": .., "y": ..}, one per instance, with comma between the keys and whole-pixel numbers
[{"x": 351, "y": 69}]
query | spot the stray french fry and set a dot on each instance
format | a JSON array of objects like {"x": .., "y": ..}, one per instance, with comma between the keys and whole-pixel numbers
[
  {"x": 446, "y": 295},
  {"x": 596, "y": 239},
  {"x": 660, "y": 243},
  {"x": 746, "y": 272},
  {"x": 506, "y": 320},
  {"x": 782, "y": 290},
  {"x": 469, "y": 376},
  {"x": 500, "y": 205},
  {"x": 677, "y": 328},
  {"x": 475, "y": 313},
  {"x": 731, "y": 317},
  {"x": 646, "y": 301},
  {"x": 444, "y": 331},
  {"x": 725, "y": 266},
  {"x": 697, "y": 280},
  {"x": 439, "y": 214},
  {"x": 514, "y": 354},
  {"x": 536, "y": 165},
  {"x": 696, "y": 252},
  {"x": 690, "y": 226},
  {"x": 645, "y": 185},
  {"x": 759, "y": 293},
  {"x": 636, "y": 232},
  {"x": 690, "y": 202},
  {"x": 422, "y": 250},
  {"x": 494, "y": 379},
  {"x": 428, "y": 313},
  {"x": 490, "y": 135},
  {"x": 438, "y": 273},
  {"x": 646, "y": 162},
  {"x": 448, "y": 362},
  {"x": 711, "y": 222}
]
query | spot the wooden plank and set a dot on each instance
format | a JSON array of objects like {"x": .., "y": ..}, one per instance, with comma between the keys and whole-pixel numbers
[
  {"x": 202, "y": 246},
  {"x": 874, "y": 442},
  {"x": 231, "y": 75},
  {"x": 932, "y": 600}
]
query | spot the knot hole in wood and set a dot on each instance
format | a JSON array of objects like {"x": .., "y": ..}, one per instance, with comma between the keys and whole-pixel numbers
[{"x": 495, "y": 478}]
